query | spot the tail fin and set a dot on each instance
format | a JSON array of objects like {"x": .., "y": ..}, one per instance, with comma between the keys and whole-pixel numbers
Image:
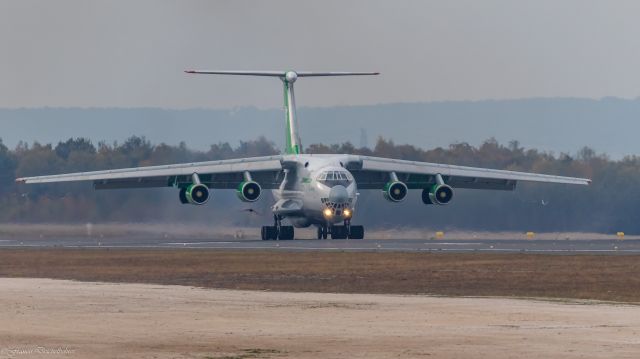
[{"x": 293, "y": 143}]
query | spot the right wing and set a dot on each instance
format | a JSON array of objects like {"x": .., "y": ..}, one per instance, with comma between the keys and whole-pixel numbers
[
  {"x": 373, "y": 173},
  {"x": 225, "y": 174}
]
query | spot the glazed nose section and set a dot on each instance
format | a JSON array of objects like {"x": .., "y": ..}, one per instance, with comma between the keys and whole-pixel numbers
[{"x": 338, "y": 194}]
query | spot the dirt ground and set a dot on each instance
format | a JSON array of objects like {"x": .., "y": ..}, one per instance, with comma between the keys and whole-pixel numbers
[
  {"x": 43, "y": 318},
  {"x": 610, "y": 278}
]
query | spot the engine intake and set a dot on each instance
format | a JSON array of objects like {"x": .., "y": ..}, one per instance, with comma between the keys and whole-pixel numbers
[
  {"x": 439, "y": 194},
  {"x": 249, "y": 191},
  {"x": 395, "y": 191},
  {"x": 197, "y": 194}
]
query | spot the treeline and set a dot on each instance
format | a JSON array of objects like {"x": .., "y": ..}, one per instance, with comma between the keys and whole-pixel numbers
[{"x": 610, "y": 204}]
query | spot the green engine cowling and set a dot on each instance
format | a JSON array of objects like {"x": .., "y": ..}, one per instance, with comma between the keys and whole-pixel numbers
[
  {"x": 197, "y": 194},
  {"x": 395, "y": 191},
  {"x": 439, "y": 194},
  {"x": 248, "y": 191}
]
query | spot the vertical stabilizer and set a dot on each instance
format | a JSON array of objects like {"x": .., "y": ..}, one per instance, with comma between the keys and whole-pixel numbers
[{"x": 293, "y": 143}]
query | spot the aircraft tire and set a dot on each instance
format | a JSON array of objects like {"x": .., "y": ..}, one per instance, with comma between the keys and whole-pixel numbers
[
  {"x": 322, "y": 232},
  {"x": 286, "y": 233},
  {"x": 356, "y": 232},
  {"x": 339, "y": 232},
  {"x": 269, "y": 233}
]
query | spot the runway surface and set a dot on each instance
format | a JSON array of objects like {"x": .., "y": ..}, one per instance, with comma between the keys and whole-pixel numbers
[{"x": 573, "y": 246}]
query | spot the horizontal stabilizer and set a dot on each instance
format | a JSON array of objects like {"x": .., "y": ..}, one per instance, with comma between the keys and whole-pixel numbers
[
  {"x": 280, "y": 73},
  {"x": 293, "y": 143}
]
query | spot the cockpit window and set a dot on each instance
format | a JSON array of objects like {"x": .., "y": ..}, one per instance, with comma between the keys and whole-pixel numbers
[{"x": 333, "y": 178}]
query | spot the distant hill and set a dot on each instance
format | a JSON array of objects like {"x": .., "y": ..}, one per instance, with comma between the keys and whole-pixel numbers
[{"x": 609, "y": 125}]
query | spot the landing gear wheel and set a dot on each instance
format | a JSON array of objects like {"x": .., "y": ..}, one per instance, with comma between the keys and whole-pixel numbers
[
  {"x": 339, "y": 232},
  {"x": 286, "y": 233},
  {"x": 356, "y": 232},
  {"x": 269, "y": 233},
  {"x": 322, "y": 232}
]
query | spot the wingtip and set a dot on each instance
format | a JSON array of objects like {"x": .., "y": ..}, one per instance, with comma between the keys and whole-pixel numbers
[
  {"x": 21, "y": 180},
  {"x": 189, "y": 72}
]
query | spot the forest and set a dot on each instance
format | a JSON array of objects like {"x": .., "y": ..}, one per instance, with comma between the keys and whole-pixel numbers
[{"x": 609, "y": 204}]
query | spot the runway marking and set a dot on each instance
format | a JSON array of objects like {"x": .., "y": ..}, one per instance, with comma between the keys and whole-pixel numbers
[
  {"x": 196, "y": 243},
  {"x": 456, "y": 244},
  {"x": 372, "y": 248},
  {"x": 515, "y": 250}
]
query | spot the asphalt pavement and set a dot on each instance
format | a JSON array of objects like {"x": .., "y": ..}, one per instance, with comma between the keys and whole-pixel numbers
[{"x": 565, "y": 246}]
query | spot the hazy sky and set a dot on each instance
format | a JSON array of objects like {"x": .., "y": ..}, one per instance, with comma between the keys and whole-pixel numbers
[{"x": 132, "y": 53}]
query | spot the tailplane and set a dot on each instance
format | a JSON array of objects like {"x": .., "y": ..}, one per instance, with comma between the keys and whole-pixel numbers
[{"x": 293, "y": 143}]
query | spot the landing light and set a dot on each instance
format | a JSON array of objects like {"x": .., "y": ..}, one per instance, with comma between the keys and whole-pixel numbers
[
  {"x": 347, "y": 212},
  {"x": 327, "y": 212}
]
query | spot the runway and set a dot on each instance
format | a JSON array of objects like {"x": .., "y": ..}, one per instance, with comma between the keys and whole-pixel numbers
[{"x": 573, "y": 246}]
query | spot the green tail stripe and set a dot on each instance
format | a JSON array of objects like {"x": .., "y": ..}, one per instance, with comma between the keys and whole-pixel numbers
[{"x": 289, "y": 149}]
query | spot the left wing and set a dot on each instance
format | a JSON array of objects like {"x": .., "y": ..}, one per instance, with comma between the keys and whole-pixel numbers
[
  {"x": 373, "y": 173},
  {"x": 215, "y": 174}
]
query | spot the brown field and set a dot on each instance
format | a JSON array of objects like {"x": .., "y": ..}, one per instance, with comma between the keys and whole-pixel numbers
[{"x": 608, "y": 278}]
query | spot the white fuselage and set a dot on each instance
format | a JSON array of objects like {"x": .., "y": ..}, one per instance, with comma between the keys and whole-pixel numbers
[{"x": 316, "y": 190}]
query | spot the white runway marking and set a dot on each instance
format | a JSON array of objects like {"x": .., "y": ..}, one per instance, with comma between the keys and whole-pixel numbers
[
  {"x": 349, "y": 246},
  {"x": 454, "y": 244},
  {"x": 515, "y": 250},
  {"x": 195, "y": 243}
]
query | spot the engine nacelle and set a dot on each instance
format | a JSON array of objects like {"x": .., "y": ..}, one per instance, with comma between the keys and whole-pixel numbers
[
  {"x": 249, "y": 191},
  {"x": 440, "y": 194},
  {"x": 395, "y": 191},
  {"x": 194, "y": 194}
]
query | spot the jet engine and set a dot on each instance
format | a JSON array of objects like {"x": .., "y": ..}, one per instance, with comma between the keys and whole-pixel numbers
[
  {"x": 438, "y": 194},
  {"x": 194, "y": 194},
  {"x": 395, "y": 191},
  {"x": 248, "y": 191}
]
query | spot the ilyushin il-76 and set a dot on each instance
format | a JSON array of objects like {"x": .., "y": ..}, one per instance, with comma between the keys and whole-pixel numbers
[{"x": 318, "y": 190}]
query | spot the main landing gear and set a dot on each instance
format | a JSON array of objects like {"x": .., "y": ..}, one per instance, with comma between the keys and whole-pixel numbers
[
  {"x": 341, "y": 232},
  {"x": 277, "y": 231}
]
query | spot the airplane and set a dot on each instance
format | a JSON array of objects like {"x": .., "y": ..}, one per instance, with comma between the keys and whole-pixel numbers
[{"x": 318, "y": 190}]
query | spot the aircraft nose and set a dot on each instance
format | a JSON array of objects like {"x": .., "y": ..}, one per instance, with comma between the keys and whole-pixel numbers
[{"x": 338, "y": 194}]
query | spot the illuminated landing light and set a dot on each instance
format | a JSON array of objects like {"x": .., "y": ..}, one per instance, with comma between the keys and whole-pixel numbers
[
  {"x": 327, "y": 212},
  {"x": 347, "y": 213}
]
